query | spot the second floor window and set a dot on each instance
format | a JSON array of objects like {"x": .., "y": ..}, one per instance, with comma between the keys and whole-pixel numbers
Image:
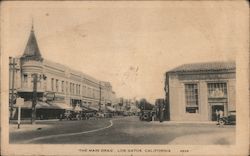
[
  {"x": 52, "y": 84},
  {"x": 62, "y": 86},
  {"x": 70, "y": 88},
  {"x": 57, "y": 85},
  {"x": 25, "y": 78},
  {"x": 67, "y": 87},
  {"x": 93, "y": 93}
]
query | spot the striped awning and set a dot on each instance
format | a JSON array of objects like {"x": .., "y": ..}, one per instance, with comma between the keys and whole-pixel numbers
[
  {"x": 28, "y": 104},
  {"x": 61, "y": 105},
  {"x": 45, "y": 105},
  {"x": 93, "y": 108},
  {"x": 77, "y": 109},
  {"x": 110, "y": 108}
]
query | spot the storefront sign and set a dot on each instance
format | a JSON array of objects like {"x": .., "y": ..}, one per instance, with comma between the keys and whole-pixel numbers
[{"x": 19, "y": 102}]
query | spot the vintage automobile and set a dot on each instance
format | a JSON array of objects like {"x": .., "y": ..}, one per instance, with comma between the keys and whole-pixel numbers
[
  {"x": 228, "y": 120},
  {"x": 71, "y": 115},
  {"x": 146, "y": 115}
]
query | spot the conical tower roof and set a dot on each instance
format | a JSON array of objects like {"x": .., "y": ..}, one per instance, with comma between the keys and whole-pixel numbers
[{"x": 32, "y": 50}]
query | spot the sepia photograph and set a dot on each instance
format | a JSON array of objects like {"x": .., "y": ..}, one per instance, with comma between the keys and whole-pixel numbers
[{"x": 125, "y": 78}]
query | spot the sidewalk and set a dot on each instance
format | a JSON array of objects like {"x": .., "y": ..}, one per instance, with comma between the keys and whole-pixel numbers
[
  {"x": 29, "y": 122},
  {"x": 184, "y": 122},
  {"x": 27, "y": 127},
  {"x": 225, "y": 138}
]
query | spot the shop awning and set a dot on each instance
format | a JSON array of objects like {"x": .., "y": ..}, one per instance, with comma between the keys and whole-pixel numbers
[
  {"x": 62, "y": 106},
  {"x": 93, "y": 108},
  {"x": 77, "y": 109},
  {"x": 39, "y": 104},
  {"x": 84, "y": 109},
  {"x": 85, "y": 105},
  {"x": 44, "y": 105},
  {"x": 110, "y": 108}
]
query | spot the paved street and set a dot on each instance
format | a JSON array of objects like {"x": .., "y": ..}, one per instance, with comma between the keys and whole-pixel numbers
[{"x": 123, "y": 130}]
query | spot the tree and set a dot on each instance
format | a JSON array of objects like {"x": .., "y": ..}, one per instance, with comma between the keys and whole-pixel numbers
[
  {"x": 145, "y": 105},
  {"x": 137, "y": 103}
]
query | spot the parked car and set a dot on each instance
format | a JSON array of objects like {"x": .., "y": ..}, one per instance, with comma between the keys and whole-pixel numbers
[
  {"x": 146, "y": 115},
  {"x": 100, "y": 115},
  {"x": 228, "y": 120},
  {"x": 71, "y": 115}
]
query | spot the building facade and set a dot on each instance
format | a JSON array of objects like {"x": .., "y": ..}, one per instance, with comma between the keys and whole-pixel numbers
[
  {"x": 195, "y": 91},
  {"x": 57, "y": 84}
]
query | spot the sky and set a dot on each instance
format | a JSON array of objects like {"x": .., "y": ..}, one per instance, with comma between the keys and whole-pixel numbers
[{"x": 130, "y": 44}]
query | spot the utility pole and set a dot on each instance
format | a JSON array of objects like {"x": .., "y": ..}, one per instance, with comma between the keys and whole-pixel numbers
[
  {"x": 34, "y": 100},
  {"x": 13, "y": 68}
]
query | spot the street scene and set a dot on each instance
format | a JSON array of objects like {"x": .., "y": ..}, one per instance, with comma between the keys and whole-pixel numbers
[
  {"x": 122, "y": 130},
  {"x": 138, "y": 77}
]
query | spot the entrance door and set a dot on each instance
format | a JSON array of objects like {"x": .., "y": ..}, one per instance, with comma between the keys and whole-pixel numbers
[{"x": 213, "y": 109}]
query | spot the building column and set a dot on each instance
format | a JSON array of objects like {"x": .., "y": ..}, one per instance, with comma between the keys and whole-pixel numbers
[{"x": 204, "y": 107}]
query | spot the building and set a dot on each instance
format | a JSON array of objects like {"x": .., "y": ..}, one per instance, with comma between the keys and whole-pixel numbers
[
  {"x": 195, "y": 91},
  {"x": 58, "y": 86}
]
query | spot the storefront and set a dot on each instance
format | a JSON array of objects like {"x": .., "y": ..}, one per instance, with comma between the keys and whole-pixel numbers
[
  {"x": 194, "y": 92},
  {"x": 44, "y": 110}
]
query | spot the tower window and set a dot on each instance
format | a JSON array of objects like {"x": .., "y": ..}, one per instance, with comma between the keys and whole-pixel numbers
[{"x": 25, "y": 78}]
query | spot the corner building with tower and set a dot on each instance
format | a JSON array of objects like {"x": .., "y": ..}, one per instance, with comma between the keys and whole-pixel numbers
[{"x": 59, "y": 87}]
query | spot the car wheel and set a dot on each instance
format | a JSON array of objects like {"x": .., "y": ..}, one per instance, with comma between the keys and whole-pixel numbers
[{"x": 221, "y": 122}]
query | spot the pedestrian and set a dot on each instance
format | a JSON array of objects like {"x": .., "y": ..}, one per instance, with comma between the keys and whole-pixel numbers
[
  {"x": 61, "y": 117},
  {"x": 221, "y": 113},
  {"x": 153, "y": 116},
  {"x": 217, "y": 116}
]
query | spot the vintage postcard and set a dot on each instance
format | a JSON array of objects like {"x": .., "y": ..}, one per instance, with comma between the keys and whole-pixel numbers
[{"x": 124, "y": 78}]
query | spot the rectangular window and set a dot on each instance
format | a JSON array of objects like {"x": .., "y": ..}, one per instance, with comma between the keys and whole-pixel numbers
[
  {"x": 67, "y": 87},
  {"x": 57, "y": 85},
  {"x": 62, "y": 86},
  {"x": 79, "y": 90},
  {"x": 25, "y": 78},
  {"x": 93, "y": 93},
  {"x": 52, "y": 84},
  {"x": 89, "y": 92},
  {"x": 70, "y": 88},
  {"x": 76, "y": 90},
  {"x": 192, "y": 99},
  {"x": 217, "y": 90},
  {"x": 73, "y": 89},
  {"x": 84, "y": 91},
  {"x": 76, "y": 86}
]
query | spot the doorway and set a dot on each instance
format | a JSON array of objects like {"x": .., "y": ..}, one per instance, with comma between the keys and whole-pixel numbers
[{"x": 213, "y": 110}]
